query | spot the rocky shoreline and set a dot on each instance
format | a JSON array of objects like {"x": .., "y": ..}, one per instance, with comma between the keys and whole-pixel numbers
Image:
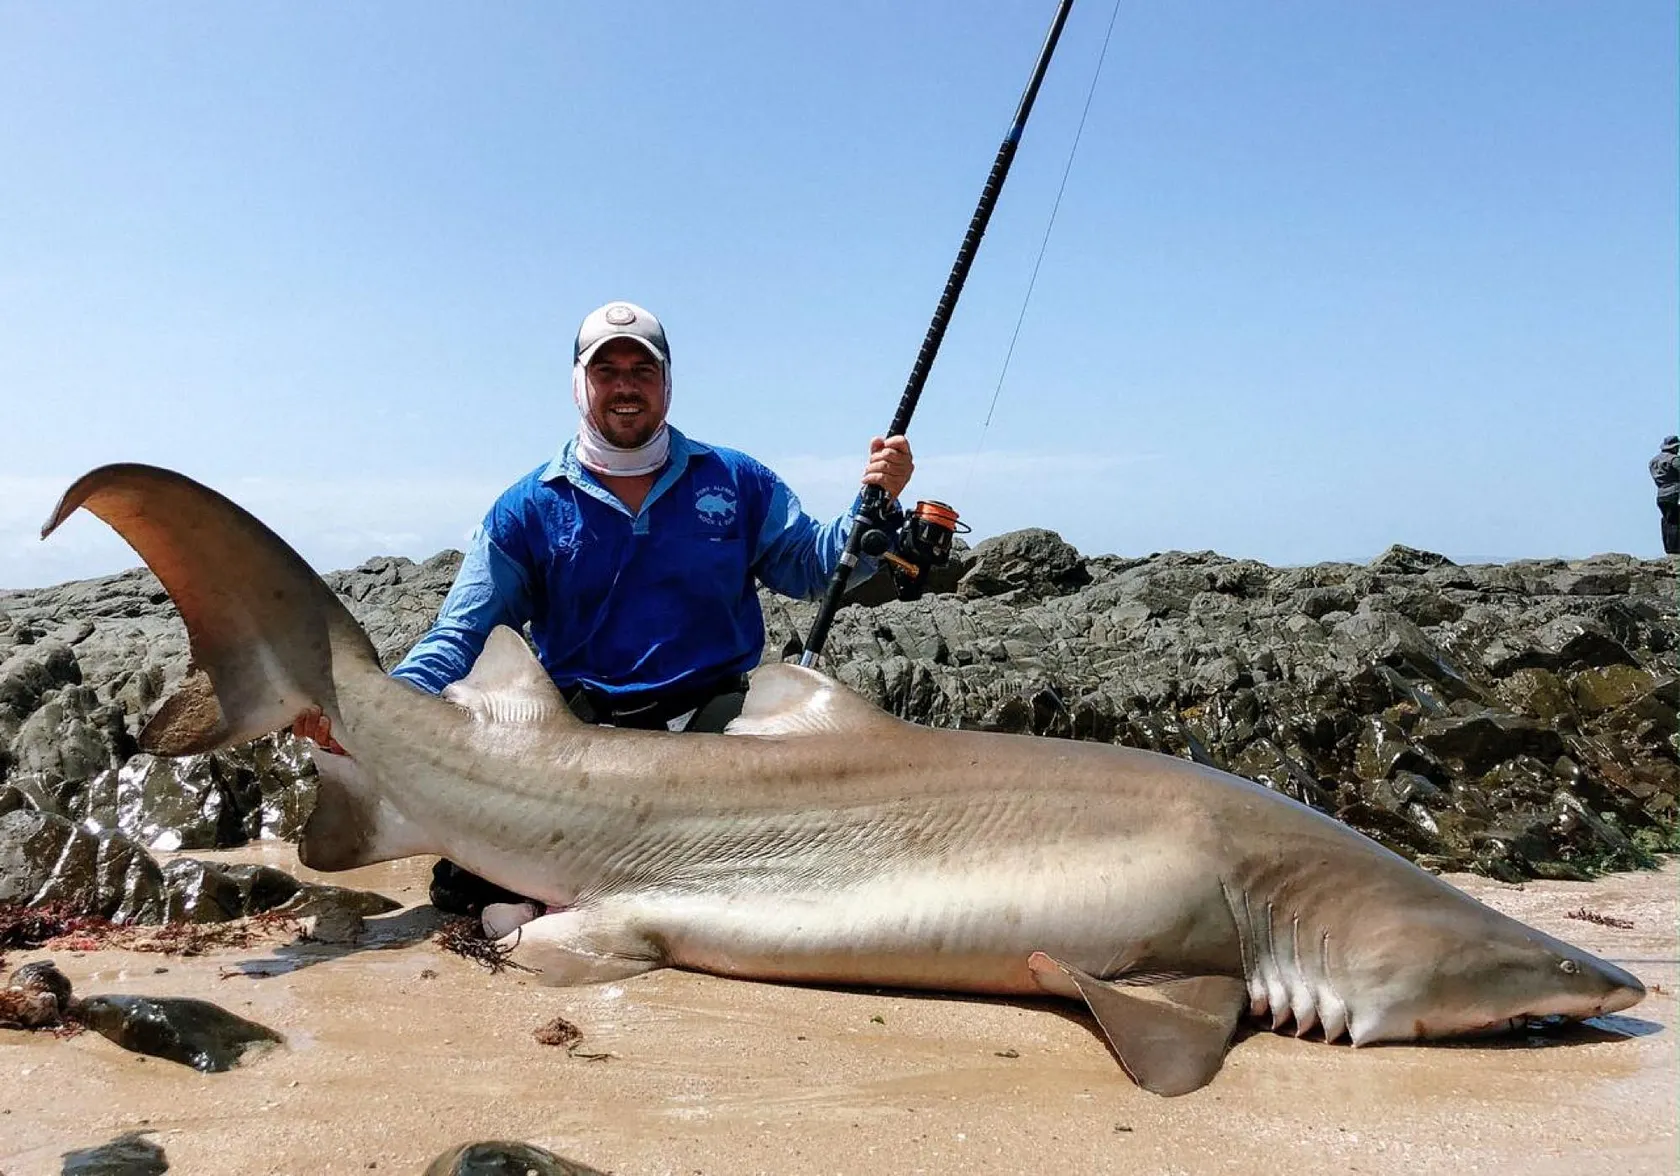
[{"x": 1517, "y": 720}]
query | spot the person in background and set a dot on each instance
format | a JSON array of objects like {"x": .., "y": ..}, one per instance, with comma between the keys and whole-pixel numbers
[{"x": 1665, "y": 472}]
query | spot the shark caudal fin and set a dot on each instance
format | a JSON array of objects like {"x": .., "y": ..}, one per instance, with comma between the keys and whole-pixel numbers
[{"x": 266, "y": 633}]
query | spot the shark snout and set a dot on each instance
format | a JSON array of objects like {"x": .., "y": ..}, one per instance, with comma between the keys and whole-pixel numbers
[{"x": 1622, "y": 989}]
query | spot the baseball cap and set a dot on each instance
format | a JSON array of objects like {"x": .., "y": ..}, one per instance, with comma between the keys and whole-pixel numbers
[{"x": 620, "y": 320}]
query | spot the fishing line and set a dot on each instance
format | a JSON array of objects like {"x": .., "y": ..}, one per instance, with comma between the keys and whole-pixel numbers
[{"x": 1102, "y": 55}]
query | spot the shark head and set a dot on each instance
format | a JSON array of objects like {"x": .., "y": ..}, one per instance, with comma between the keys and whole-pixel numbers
[{"x": 1461, "y": 970}]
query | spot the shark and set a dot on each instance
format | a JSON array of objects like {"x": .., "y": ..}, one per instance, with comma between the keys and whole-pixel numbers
[{"x": 823, "y": 840}]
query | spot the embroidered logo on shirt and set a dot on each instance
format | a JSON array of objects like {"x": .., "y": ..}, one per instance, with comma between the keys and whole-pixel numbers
[{"x": 716, "y": 505}]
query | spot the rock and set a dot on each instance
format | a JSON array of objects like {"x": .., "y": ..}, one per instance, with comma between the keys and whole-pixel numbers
[
  {"x": 129, "y": 1154},
  {"x": 44, "y": 858},
  {"x": 1602, "y": 688},
  {"x": 1427, "y": 703},
  {"x": 36, "y": 997},
  {"x": 1480, "y": 740},
  {"x": 194, "y": 1033},
  {"x": 1035, "y": 561},
  {"x": 500, "y": 1158},
  {"x": 1402, "y": 560}
]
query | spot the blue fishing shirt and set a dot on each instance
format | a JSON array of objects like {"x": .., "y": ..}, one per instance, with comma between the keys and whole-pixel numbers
[{"x": 633, "y": 605}]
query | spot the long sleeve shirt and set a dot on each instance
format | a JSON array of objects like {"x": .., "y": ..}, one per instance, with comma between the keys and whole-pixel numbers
[{"x": 632, "y": 604}]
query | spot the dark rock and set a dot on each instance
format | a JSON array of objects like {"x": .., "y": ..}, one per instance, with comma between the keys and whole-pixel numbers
[
  {"x": 1035, "y": 561},
  {"x": 1603, "y": 688},
  {"x": 37, "y": 996},
  {"x": 1402, "y": 560},
  {"x": 44, "y": 858},
  {"x": 196, "y": 892},
  {"x": 1480, "y": 740},
  {"x": 129, "y": 1154},
  {"x": 501, "y": 1158},
  {"x": 195, "y": 1033}
]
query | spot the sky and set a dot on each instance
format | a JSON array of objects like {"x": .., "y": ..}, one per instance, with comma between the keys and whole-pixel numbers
[{"x": 1324, "y": 277}]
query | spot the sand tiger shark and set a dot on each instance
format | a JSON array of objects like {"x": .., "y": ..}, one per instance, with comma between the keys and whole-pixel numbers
[{"x": 823, "y": 840}]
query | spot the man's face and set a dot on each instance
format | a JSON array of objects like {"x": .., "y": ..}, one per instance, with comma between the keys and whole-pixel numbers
[{"x": 626, "y": 393}]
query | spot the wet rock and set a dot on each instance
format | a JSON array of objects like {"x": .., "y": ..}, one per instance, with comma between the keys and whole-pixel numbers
[
  {"x": 129, "y": 1154},
  {"x": 500, "y": 1158},
  {"x": 44, "y": 858},
  {"x": 196, "y": 892},
  {"x": 1539, "y": 694},
  {"x": 36, "y": 996},
  {"x": 194, "y": 1033},
  {"x": 1384, "y": 750},
  {"x": 1480, "y": 740},
  {"x": 1603, "y": 688}
]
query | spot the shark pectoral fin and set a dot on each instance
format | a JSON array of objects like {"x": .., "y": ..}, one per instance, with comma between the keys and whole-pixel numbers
[
  {"x": 1172, "y": 1036},
  {"x": 352, "y": 825},
  {"x": 785, "y": 699},
  {"x": 509, "y": 685},
  {"x": 585, "y": 945}
]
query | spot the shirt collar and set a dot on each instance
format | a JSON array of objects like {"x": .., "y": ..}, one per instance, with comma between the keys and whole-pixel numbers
[{"x": 566, "y": 468}]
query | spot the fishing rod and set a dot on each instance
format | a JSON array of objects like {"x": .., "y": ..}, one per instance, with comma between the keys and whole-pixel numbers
[{"x": 927, "y": 534}]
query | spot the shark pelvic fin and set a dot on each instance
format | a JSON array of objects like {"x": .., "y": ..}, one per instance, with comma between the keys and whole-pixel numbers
[
  {"x": 509, "y": 685},
  {"x": 785, "y": 699},
  {"x": 1171, "y": 1036},
  {"x": 352, "y": 825}
]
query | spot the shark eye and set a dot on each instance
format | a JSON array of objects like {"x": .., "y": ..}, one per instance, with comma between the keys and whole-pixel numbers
[{"x": 1570, "y": 967}]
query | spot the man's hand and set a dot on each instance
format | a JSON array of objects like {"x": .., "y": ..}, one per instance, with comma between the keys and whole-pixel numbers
[
  {"x": 890, "y": 464},
  {"x": 313, "y": 725}
]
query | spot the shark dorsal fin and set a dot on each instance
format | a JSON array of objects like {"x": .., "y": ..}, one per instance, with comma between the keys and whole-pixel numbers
[
  {"x": 784, "y": 699},
  {"x": 1170, "y": 1036},
  {"x": 509, "y": 685}
]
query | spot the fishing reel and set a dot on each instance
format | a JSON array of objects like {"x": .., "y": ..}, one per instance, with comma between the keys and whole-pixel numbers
[{"x": 923, "y": 543}]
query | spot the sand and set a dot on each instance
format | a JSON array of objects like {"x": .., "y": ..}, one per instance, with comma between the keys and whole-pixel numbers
[{"x": 397, "y": 1051}]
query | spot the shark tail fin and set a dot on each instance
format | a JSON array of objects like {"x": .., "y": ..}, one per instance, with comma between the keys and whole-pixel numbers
[{"x": 267, "y": 635}]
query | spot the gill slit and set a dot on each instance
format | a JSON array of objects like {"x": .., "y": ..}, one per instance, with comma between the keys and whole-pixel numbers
[
  {"x": 1330, "y": 986},
  {"x": 1243, "y": 930}
]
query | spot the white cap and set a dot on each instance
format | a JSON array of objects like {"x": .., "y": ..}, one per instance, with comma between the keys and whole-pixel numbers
[{"x": 620, "y": 320}]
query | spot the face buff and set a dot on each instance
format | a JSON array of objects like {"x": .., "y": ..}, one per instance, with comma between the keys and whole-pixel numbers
[{"x": 600, "y": 456}]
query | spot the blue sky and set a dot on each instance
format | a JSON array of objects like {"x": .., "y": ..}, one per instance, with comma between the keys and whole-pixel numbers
[{"x": 1326, "y": 276}]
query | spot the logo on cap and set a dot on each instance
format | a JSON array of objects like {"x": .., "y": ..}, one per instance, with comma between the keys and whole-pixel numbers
[{"x": 620, "y": 315}]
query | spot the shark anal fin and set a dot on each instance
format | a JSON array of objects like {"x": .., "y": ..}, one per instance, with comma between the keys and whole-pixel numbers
[
  {"x": 785, "y": 699},
  {"x": 1171, "y": 1036},
  {"x": 352, "y": 825}
]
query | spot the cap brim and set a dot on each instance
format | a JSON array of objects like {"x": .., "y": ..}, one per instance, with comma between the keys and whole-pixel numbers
[{"x": 588, "y": 353}]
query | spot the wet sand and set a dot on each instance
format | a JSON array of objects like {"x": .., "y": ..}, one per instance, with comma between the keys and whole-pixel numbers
[{"x": 385, "y": 1066}]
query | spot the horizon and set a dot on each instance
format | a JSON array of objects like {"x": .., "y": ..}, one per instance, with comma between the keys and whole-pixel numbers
[{"x": 1323, "y": 279}]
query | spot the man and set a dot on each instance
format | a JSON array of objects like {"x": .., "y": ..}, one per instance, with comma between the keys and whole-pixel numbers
[
  {"x": 1665, "y": 472},
  {"x": 634, "y": 555}
]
